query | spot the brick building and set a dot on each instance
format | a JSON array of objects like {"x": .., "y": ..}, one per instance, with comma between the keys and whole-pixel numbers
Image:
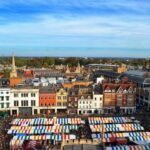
[
  {"x": 72, "y": 102},
  {"x": 119, "y": 97},
  {"x": 47, "y": 100}
]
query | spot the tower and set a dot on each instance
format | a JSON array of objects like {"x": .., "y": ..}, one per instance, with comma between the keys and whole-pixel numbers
[
  {"x": 13, "y": 73},
  {"x": 78, "y": 69},
  {"x": 67, "y": 70}
]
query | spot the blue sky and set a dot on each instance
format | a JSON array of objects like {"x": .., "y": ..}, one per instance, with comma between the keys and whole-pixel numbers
[{"x": 117, "y": 28}]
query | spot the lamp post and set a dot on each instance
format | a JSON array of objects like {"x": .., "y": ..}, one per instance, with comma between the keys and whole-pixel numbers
[
  {"x": 62, "y": 143},
  {"x": 102, "y": 133}
]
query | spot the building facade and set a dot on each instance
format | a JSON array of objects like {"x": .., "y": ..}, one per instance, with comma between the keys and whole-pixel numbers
[
  {"x": 4, "y": 99},
  {"x": 119, "y": 97},
  {"x": 143, "y": 98},
  {"x": 85, "y": 104},
  {"x": 72, "y": 102},
  {"x": 122, "y": 68},
  {"x": 142, "y": 80},
  {"x": 61, "y": 99},
  {"x": 24, "y": 101},
  {"x": 97, "y": 103},
  {"x": 47, "y": 101}
]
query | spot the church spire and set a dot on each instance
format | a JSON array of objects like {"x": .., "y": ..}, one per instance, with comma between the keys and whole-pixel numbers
[
  {"x": 67, "y": 70},
  {"x": 13, "y": 64},
  {"x": 78, "y": 68},
  {"x": 13, "y": 73}
]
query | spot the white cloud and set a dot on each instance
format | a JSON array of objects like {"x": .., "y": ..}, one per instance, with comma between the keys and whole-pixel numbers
[
  {"x": 93, "y": 30},
  {"x": 80, "y": 26}
]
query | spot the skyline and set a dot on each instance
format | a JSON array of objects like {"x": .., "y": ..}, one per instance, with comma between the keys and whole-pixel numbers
[{"x": 80, "y": 28}]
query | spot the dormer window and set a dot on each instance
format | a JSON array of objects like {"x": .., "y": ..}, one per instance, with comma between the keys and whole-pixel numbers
[
  {"x": 89, "y": 97},
  {"x": 125, "y": 91}
]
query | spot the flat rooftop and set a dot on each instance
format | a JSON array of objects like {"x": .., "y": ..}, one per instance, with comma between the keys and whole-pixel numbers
[{"x": 83, "y": 147}]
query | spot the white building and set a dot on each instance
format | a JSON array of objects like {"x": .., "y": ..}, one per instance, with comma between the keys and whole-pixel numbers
[
  {"x": 98, "y": 103},
  {"x": 4, "y": 99},
  {"x": 24, "y": 101},
  {"x": 85, "y": 105},
  {"x": 90, "y": 104}
]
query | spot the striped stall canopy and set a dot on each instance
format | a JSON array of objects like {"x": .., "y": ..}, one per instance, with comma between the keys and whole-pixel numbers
[
  {"x": 46, "y": 121},
  {"x": 41, "y": 129},
  {"x": 137, "y": 137},
  {"x": 99, "y": 120},
  {"x": 129, "y": 147},
  {"x": 116, "y": 127},
  {"x": 35, "y": 121},
  {"x": 65, "y": 121}
]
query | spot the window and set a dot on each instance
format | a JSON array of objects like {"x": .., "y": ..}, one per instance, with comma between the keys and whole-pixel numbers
[
  {"x": 89, "y": 97},
  {"x": 59, "y": 97},
  {"x": 58, "y": 104},
  {"x": 15, "y": 103},
  {"x": 64, "y": 97},
  {"x": 32, "y": 102},
  {"x": 7, "y": 105},
  {"x": 24, "y": 103},
  {"x": 64, "y": 104},
  {"x": 100, "y": 98},
  {"x": 32, "y": 94},
  {"x": 2, "y": 98},
  {"x": 15, "y": 94},
  {"x": 2, "y": 105},
  {"x": 24, "y": 94},
  {"x": 119, "y": 97},
  {"x": 7, "y": 92},
  {"x": 7, "y": 98},
  {"x": 95, "y": 98}
]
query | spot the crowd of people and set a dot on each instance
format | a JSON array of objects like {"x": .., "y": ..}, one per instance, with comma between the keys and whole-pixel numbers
[{"x": 4, "y": 137}]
